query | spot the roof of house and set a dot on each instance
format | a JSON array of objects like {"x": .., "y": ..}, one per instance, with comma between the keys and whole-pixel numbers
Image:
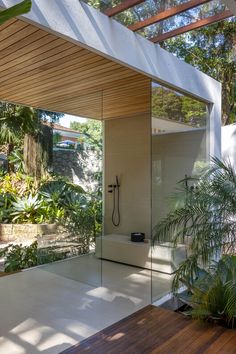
[
  {"x": 64, "y": 129},
  {"x": 56, "y": 126}
]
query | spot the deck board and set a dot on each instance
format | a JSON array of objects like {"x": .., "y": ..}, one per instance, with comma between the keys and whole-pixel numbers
[{"x": 158, "y": 331}]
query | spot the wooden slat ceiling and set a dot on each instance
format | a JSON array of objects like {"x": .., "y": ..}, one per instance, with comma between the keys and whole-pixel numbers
[
  {"x": 43, "y": 71},
  {"x": 166, "y": 14}
]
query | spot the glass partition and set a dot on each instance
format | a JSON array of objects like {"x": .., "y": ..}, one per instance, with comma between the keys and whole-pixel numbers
[
  {"x": 51, "y": 191},
  {"x": 77, "y": 163},
  {"x": 178, "y": 151}
]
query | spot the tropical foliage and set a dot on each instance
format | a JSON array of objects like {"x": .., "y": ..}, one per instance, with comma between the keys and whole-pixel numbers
[
  {"x": 15, "y": 122},
  {"x": 18, "y": 257},
  {"x": 204, "y": 219},
  {"x": 30, "y": 201},
  {"x": 210, "y": 49},
  {"x": 212, "y": 294},
  {"x": 41, "y": 198},
  {"x": 51, "y": 200},
  {"x": 27, "y": 135},
  {"x": 92, "y": 131},
  {"x": 167, "y": 104}
]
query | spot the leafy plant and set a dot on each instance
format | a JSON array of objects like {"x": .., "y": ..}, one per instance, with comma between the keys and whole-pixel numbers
[
  {"x": 26, "y": 210},
  {"x": 91, "y": 133},
  {"x": 205, "y": 219},
  {"x": 212, "y": 292},
  {"x": 15, "y": 122},
  {"x": 16, "y": 158},
  {"x": 60, "y": 197},
  {"x": 5, "y": 207},
  {"x": 204, "y": 214},
  {"x": 17, "y": 10},
  {"x": 17, "y": 184},
  {"x": 20, "y": 257}
]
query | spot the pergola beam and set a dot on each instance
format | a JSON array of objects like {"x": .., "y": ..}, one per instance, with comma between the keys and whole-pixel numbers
[
  {"x": 124, "y": 5},
  {"x": 192, "y": 26},
  {"x": 164, "y": 15}
]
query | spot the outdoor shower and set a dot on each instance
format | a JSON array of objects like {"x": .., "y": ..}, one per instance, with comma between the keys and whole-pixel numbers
[{"x": 115, "y": 190}]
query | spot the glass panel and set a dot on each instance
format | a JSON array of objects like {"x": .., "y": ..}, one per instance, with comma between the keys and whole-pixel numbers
[
  {"x": 77, "y": 159},
  {"x": 51, "y": 191},
  {"x": 178, "y": 150}
]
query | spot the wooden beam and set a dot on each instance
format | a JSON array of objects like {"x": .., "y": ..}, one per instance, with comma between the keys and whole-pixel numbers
[
  {"x": 192, "y": 26},
  {"x": 124, "y": 5},
  {"x": 164, "y": 15}
]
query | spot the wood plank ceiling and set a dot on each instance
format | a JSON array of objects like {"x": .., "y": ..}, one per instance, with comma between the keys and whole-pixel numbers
[{"x": 41, "y": 70}]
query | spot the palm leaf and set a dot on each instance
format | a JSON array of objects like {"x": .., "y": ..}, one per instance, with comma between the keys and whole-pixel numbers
[{"x": 17, "y": 10}]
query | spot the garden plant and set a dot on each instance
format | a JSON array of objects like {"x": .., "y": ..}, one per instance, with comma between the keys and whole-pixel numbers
[
  {"x": 204, "y": 218},
  {"x": 31, "y": 194}
]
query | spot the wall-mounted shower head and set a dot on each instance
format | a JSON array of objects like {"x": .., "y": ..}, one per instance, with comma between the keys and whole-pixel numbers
[
  {"x": 114, "y": 188},
  {"x": 117, "y": 182}
]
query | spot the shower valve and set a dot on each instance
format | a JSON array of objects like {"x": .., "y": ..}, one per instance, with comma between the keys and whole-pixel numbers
[{"x": 110, "y": 188}]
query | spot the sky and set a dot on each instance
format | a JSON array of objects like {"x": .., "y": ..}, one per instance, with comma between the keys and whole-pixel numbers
[{"x": 67, "y": 119}]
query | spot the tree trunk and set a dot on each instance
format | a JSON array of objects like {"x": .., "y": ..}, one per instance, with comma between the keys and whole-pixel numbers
[
  {"x": 227, "y": 96},
  {"x": 161, "y": 5},
  {"x": 38, "y": 152},
  {"x": 10, "y": 166}
]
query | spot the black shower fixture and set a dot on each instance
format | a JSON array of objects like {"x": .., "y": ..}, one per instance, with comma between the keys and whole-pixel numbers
[{"x": 115, "y": 189}]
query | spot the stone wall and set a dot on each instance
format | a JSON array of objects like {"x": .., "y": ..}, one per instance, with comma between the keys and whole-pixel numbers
[
  {"x": 78, "y": 166},
  {"x": 24, "y": 232},
  {"x": 66, "y": 163}
]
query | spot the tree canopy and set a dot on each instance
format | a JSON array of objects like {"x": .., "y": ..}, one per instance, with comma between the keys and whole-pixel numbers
[
  {"x": 211, "y": 49},
  {"x": 167, "y": 104},
  {"x": 92, "y": 129}
]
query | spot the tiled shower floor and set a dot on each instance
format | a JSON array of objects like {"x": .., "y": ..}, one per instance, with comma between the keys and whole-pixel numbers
[{"x": 48, "y": 309}]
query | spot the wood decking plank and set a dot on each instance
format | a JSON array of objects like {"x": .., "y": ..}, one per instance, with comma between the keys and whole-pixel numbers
[{"x": 155, "y": 330}]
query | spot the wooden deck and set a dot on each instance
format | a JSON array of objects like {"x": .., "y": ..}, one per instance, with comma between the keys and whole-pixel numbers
[{"x": 156, "y": 330}]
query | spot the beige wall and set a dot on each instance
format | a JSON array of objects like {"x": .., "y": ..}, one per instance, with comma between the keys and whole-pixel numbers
[
  {"x": 174, "y": 156},
  {"x": 127, "y": 154}
]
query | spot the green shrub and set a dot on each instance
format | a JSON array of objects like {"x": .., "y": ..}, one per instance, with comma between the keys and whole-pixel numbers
[
  {"x": 27, "y": 210},
  {"x": 6, "y": 207},
  {"x": 212, "y": 292},
  {"x": 20, "y": 257},
  {"x": 205, "y": 216},
  {"x": 16, "y": 159},
  {"x": 17, "y": 184},
  {"x": 50, "y": 201}
]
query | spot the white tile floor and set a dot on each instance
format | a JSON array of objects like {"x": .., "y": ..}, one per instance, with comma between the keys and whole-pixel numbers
[{"x": 48, "y": 309}]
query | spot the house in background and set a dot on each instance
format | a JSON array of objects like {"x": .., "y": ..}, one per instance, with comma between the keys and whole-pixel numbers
[
  {"x": 64, "y": 137},
  {"x": 65, "y": 133}
]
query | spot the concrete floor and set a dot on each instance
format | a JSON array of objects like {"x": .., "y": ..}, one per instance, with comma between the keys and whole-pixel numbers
[{"x": 49, "y": 308}]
